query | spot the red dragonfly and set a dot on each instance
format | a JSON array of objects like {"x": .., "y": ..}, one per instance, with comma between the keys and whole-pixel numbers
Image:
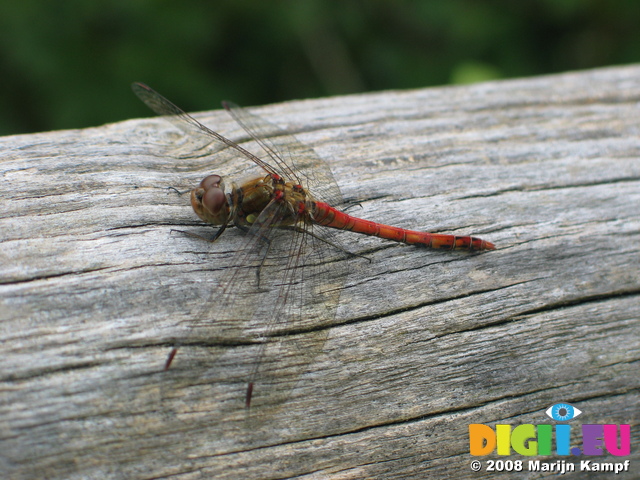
[{"x": 286, "y": 252}]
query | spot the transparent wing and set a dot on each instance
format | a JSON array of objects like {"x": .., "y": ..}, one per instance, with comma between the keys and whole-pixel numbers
[
  {"x": 280, "y": 297},
  {"x": 201, "y": 136},
  {"x": 290, "y": 158},
  {"x": 276, "y": 305}
]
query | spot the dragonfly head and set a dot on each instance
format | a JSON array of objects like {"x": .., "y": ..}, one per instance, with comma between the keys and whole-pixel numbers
[{"x": 209, "y": 200}]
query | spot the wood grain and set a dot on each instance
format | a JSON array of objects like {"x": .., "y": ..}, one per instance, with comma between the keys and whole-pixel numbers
[{"x": 94, "y": 289}]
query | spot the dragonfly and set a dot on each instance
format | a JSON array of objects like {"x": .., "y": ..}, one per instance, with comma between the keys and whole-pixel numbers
[{"x": 283, "y": 291}]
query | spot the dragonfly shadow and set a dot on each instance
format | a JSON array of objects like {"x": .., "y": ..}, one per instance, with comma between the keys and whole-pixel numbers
[{"x": 263, "y": 330}]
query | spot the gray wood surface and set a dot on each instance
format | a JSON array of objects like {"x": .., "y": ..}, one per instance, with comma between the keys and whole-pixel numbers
[{"x": 94, "y": 289}]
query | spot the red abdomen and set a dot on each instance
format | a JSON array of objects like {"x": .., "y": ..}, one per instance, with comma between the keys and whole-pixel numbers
[{"x": 328, "y": 216}]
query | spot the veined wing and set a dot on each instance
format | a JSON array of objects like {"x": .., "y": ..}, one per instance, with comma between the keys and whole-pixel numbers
[
  {"x": 290, "y": 158},
  {"x": 277, "y": 304},
  {"x": 163, "y": 107},
  {"x": 283, "y": 292}
]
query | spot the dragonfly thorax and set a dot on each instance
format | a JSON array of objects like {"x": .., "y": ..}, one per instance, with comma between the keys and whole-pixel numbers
[
  {"x": 286, "y": 200},
  {"x": 246, "y": 202}
]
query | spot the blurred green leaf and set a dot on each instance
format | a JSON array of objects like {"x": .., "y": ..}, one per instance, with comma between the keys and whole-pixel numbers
[
  {"x": 69, "y": 64},
  {"x": 473, "y": 72}
]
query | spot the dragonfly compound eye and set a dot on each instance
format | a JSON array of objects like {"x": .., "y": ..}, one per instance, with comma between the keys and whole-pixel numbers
[
  {"x": 211, "y": 181},
  {"x": 214, "y": 199}
]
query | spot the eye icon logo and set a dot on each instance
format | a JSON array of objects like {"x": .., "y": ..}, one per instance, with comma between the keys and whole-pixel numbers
[{"x": 562, "y": 412}]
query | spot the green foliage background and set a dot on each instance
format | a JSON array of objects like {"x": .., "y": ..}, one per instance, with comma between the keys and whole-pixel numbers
[{"x": 69, "y": 64}]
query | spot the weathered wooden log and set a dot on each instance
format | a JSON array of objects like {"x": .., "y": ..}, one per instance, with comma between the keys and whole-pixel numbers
[{"x": 95, "y": 289}]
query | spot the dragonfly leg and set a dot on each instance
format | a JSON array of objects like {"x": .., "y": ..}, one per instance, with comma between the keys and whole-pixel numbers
[
  {"x": 351, "y": 205},
  {"x": 200, "y": 237},
  {"x": 177, "y": 191}
]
